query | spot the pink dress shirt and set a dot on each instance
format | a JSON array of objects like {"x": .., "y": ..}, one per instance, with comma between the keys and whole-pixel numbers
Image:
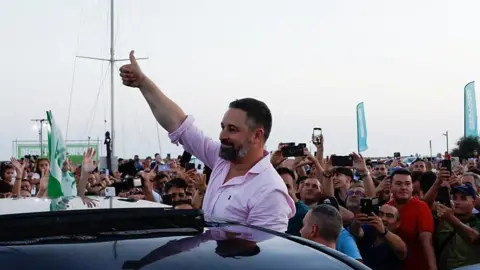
[{"x": 259, "y": 198}]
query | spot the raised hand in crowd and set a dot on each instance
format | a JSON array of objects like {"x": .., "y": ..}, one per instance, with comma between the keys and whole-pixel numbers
[
  {"x": 20, "y": 170},
  {"x": 88, "y": 166},
  {"x": 360, "y": 166},
  {"x": 44, "y": 177},
  {"x": 148, "y": 180}
]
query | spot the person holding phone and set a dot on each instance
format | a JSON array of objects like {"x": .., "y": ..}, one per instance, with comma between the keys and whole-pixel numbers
[
  {"x": 380, "y": 246},
  {"x": 243, "y": 185}
]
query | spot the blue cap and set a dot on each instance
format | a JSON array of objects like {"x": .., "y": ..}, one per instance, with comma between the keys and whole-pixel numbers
[{"x": 466, "y": 189}]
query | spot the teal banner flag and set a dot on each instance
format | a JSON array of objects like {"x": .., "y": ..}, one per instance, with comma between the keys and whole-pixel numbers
[
  {"x": 470, "y": 111},
  {"x": 361, "y": 128}
]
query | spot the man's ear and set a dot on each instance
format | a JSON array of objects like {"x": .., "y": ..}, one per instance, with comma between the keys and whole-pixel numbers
[
  {"x": 259, "y": 134},
  {"x": 314, "y": 230}
]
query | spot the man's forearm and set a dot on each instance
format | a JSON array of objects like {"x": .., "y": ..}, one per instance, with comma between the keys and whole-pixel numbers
[
  {"x": 82, "y": 184},
  {"x": 397, "y": 244},
  {"x": 168, "y": 114},
  {"x": 426, "y": 241},
  {"x": 468, "y": 234}
]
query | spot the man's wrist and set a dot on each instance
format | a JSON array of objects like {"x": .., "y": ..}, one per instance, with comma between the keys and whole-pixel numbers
[{"x": 363, "y": 173}]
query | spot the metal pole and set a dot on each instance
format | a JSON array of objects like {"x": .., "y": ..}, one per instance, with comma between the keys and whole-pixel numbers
[
  {"x": 112, "y": 92},
  {"x": 447, "y": 140},
  {"x": 431, "y": 153},
  {"x": 40, "y": 135}
]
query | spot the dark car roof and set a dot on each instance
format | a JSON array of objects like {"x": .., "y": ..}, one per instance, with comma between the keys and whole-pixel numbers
[
  {"x": 172, "y": 252},
  {"x": 158, "y": 238}
]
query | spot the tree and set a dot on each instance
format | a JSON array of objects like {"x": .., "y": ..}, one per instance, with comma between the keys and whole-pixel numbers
[{"x": 466, "y": 146}]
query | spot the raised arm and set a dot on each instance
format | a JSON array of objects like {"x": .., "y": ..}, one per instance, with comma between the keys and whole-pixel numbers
[{"x": 170, "y": 116}]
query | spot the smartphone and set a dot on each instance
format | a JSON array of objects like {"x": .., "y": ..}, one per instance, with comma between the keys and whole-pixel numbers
[
  {"x": 189, "y": 166},
  {"x": 447, "y": 163},
  {"x": 443, "y": 196},
  {"x": 168, "y": 156},
  {"x": 317, "y": 136},
  {"x": 369, "y": 206},
  {"x": 342, "y": 161},
  {"x": 396, "y": 155},
  {"x": 280, "y": 145},
  {"x": 186, "y": 157},
  {"x": 167, "y": 199},
  {"x": 293, "y": 151},
  {"x": 110, "y": 192},
  {"x": 164, "y": 168},
  {"x": 135, "y": 182}
]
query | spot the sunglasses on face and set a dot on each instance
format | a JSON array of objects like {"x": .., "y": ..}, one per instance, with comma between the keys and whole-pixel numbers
[
  {"x": 379, "y": 169},
  {"x": 356, "y": 193}
]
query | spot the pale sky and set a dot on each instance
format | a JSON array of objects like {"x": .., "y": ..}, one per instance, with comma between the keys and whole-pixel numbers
[{"x": 310, "y": 61}]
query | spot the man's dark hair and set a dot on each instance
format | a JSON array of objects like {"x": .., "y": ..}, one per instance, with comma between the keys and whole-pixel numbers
[
  {"x": 258, "y": 114},
  {"x": 157, "y": 154},
  {"x": 400, "y": 172},
  {"x": 416, "y": 176},
  {"x": 283, "y": 170},
  {"x": 177, "y": 183},
  {"x": 160, "y": 176},
  {"x": 301, "y": 179},
  {"x": 328, "y": 220},
  {"x": 4, "y": 167},
  {"x": 419, "y": 160},
  {"x": 5, "y": 187}
]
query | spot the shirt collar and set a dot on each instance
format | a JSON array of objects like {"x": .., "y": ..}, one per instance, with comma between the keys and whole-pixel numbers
[{"x": 261, "y": 165}]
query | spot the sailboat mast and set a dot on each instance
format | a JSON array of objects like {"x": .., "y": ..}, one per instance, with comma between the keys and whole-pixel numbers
[
  {"x": 112, "y": 81},
  {"x": 112, "y": 61}
]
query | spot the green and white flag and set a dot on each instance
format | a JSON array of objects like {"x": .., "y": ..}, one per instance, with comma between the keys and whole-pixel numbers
[{"x": 59, "y": 184}]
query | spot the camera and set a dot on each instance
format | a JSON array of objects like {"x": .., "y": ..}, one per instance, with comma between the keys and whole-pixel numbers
[{"x": 294, "y": 151}]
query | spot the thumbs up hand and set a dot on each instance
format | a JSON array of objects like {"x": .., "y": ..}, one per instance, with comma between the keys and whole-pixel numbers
[{"x": 131, "y": 73}]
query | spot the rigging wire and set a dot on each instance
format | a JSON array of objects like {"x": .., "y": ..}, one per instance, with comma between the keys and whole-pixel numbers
[
  {"x": 91, "y": 118},
  {"x": 158, "y": 138},
  {"x": 122, "y": 125},
  {"x": 74, "y": 71},
  {"x": 92, "y": 112},
  {"x": 156, "y": 123}
]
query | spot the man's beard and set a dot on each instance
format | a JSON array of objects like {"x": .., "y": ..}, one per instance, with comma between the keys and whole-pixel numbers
[
  {"x": 232, "y": 153},
  {"x": 353, "y": 205}
]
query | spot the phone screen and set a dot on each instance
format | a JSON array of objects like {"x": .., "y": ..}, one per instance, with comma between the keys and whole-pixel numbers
[
  {"x": 447, "y": 163},
  {"x": 317, "y": 135},
  {"x": 366, "y": 206},
  {"x": 164, "y": 168},
  {"x": 190, "y": 166},
  {"x": 137, "y": 182},
  {"x": 186, "y": 157}
]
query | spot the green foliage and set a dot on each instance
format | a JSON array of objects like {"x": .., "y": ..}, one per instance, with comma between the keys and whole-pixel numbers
[{"x": 466, "y": 147}]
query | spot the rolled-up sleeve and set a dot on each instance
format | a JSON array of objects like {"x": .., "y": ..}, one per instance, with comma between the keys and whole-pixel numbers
[
  {"x": 272, "y": 211},
  {"x": 195, "y": 142}
]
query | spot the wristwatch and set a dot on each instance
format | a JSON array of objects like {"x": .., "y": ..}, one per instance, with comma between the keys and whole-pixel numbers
[
  {"x": 384, "y": 233},
  {"x": 365, "y": 173},
  {"x": 327, "y": 175}
]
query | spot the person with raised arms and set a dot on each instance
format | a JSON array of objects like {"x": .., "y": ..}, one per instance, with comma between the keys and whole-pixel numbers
[{"x": 243, "y": 185}]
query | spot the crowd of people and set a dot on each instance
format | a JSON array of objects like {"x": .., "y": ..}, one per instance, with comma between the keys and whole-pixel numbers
[{"x": 389, "y": 216}]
